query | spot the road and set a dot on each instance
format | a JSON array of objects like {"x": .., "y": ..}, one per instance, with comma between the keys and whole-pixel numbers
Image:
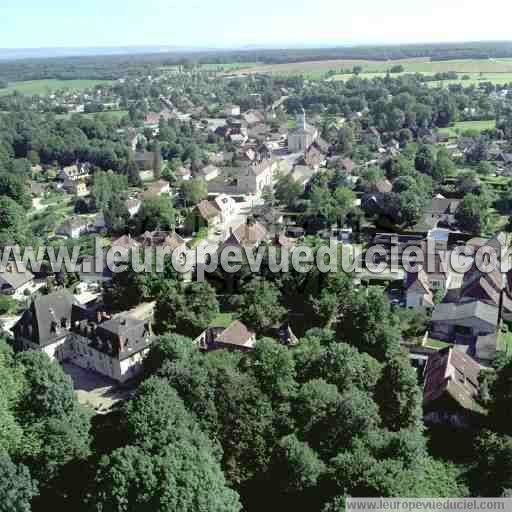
[{"x": 212, "y": 243}]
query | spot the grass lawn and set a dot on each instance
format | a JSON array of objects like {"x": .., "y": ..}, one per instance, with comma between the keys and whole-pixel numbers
[
  {"x": 505, "y": 342},
  {"x": 437, "y": 344},
  {"x": 222, "y": 320},
  {"x": 291, "y": 124},
  {"x": 44, "y": 87},
  {"x": 462, "y": 126}
]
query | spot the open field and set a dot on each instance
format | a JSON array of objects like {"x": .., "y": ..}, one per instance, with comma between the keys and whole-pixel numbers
[
  {"x": 475, "y": 79},
  {"x": 43, "y": 87},
  {"x": 495, "y": 70},
  {"x": 114, "y": 114},
  {"x": 468, "y": 125},
  {"x": 230, "y": 67}
]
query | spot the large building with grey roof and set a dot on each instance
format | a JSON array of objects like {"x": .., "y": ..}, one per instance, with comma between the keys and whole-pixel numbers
[{"x": 88, "y": 337}]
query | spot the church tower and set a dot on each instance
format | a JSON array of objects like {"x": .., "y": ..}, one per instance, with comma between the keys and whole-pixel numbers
[{"x": 301, "y": 120}]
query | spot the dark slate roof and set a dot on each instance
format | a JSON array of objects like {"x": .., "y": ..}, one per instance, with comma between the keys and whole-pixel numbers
[
  {"x": 145, "y": 156},
  {"x": 126, "y": 335},
  {"x": 16, "y": 279},
  {"x": 260, "y": 167},
  {"x": 451, "y": 312},
  {"x": 441, "y": 206},
  {"x": 45, "y": 318}
]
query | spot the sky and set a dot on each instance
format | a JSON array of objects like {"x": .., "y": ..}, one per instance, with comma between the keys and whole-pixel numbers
[{"x": 235, "y": 23}]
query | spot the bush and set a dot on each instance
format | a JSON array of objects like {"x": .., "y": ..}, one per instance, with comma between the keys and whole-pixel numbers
[{"x": 7, "y": 305}]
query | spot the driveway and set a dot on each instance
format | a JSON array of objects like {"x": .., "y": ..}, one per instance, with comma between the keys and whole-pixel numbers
[{"x": 95, "y": 391}]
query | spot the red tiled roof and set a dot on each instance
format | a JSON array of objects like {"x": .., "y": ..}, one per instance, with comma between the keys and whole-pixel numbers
[
  {"x": 207, "y": 210},
  {"x": 453, "y": 372}
]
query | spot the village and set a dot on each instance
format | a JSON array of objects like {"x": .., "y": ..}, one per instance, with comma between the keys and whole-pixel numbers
[{"x": 189, "y": 159}]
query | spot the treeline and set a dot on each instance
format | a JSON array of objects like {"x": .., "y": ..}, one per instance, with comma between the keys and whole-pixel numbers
[{"x": 112, "y": 67}]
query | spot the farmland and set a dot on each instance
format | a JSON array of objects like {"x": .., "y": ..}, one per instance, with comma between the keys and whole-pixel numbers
[
  {"x": 463, "y": 126},
  {"x": 44, "y": 87},
  {"x": 498, "y": 71}
]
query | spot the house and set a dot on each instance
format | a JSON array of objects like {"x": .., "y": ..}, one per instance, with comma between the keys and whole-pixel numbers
[
  {"x": 471, "y": 314},
  {"x": 250, "y": 234},
  {"x": 13, "y": 282},
  {"x": 439, "y": 238},
  {"x": 226, "y": 206},
  {"x": 77, "y": 188},
  {"x": 464, "y": 322},
  {"x": 505, "y": 158},
  {"x": 268, "y": 216},
  {"x": 152, "y": 119},
  {"x": 125, "y": 243},
  {"x": 204, "y": 215},
  {"x": 301, "y": 138},
  {"x": 85, "y": 336},
  {"x": 441, "y": 211},
  {"x": 209, "y": 173},
  {"x": 421, "y": 287},
  {"x": 73, "y": 179},
  {"x": 235, "y": 337},
  {"x": 418, "y": 293},
  {"x": 74, "y": 172},
  {"x": 295, "y": 232},
  {"x": 381, "y": 186},
  {"x": 146, "y": 160},
  {"x": 73, "y": 228},
  {"x": 451, "y": 388},
  {"x": 158, "y": 188},
  {"x": 183, "y": 173},
  {"x": 162, "y": 239},
  {"x": 232, "y": 110},
  {"x": 252, "y": 117},
  {"x": 239, "y": 139},
  {"x": 313, "y": 157},
  {"x": 259, "y": 133},
  {"x": 394, "y": 245},
  {"x": 254, "y": 178}
]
